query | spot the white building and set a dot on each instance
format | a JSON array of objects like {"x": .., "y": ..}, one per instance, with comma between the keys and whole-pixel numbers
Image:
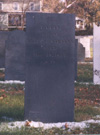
[{"x": 12, "y": 12}]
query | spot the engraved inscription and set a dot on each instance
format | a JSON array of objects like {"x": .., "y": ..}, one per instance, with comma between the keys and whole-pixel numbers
[
  {"x": 50, "y": 46},
  {"x": 97, "y": 73},
  {"x": 49, "y": 55},
  {"x": 50, "y": 27},
  {"x": 57, "y": 42}
]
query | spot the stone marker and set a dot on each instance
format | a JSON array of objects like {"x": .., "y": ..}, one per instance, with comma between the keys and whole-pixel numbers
[
  {"x": 85, "y": 41},
  {"x": 81, "y": 53},
  {"x": 76, "y": 45},
  {"x": 15, "y": 56},
  {"x": 50, "y": 66},
  {"x": 3, "y": 37},
  {"x": 96, "y": 55}
]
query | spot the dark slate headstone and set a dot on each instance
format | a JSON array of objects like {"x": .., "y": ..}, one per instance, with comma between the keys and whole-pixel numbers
[
  {"x": 3, "y": 38},
  {"x": 81, "y": 53},
  {"x": 49, "y": 87},
  {"x": 76, "y": 45},
  {"x": 15, "y": 56}
]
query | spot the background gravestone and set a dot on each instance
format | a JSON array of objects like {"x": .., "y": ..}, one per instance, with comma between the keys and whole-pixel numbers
[
  {"x": 50, "y": 67},
  {"x": 15, "y": 56},
  {"x": 3, "y": 38},
  {"x": 86, "y": 42},
  {"x": 81, "y": 53},
  {"x": 76, "y": 45}
]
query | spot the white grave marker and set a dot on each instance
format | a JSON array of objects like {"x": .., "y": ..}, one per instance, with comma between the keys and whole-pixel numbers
[{"x": 96, "y": 53}]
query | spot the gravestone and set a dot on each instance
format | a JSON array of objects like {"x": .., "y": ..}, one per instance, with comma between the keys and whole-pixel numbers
[
  {"x": 81, "y": 53},
  {"x": 96, "y": 54},
  {"x": 50, "y": 67},
  {"x": 86, "y": 41},
  {"x": 3, "y": 37},
  {"x": 76, "y": 45},
  {"x": 15, "y": 56}
]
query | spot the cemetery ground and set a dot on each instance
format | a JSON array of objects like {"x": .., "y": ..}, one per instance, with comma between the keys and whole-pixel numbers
[{"x": 87, "y": 107}]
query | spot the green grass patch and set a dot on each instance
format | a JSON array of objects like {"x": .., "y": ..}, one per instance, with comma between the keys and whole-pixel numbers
[
  {"x": 87, "y": 97},
  {"x": 88, "y": 92},
  {"x": 85, "y": 73},
  {"x": 36, "y": 131},
  {"x": 12, "y": 104},
  {"x": 87, "y": 101},
  {"x": 92, "y": 129},
  {"x": 85, "y": 113}
]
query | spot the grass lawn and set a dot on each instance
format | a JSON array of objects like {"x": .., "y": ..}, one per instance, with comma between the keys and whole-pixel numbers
[
  {"x": 11, "y": 103},
  {"x": 87, "y": 106},
  {"x": 85, "y": 73}
]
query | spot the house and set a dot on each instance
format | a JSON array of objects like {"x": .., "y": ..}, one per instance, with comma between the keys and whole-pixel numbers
[
  {"x": 12, "y": 12},
  {"x": 80, "y": 23}
]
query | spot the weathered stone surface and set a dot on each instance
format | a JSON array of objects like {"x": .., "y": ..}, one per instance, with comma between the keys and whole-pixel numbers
[
  {"x": 15, "y": 56},
  {"x": 81, "y": 53},
  {"x": 50, "y": 67},
  {"x": 76, "y": 45},
  {"x": 96, "y": 55},
  {"x": 3, "y": 38}
]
